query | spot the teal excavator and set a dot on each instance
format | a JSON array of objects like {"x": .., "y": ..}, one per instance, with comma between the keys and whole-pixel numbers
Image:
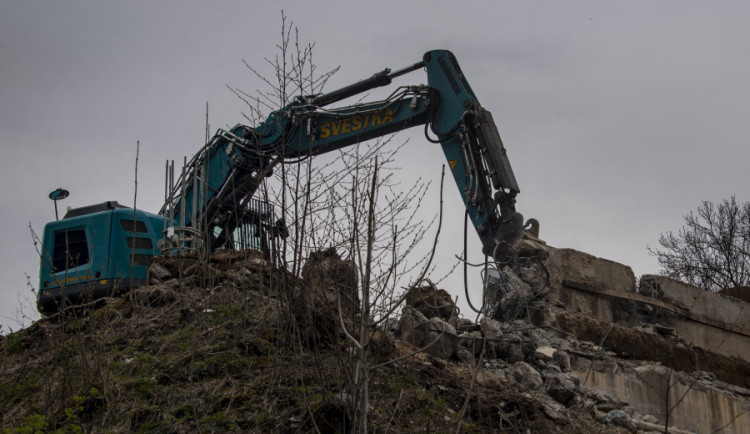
[{"x": 105, "y": 249}]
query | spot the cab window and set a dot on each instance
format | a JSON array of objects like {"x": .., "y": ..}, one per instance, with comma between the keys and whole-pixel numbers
[{"x": 71, "y": 250}]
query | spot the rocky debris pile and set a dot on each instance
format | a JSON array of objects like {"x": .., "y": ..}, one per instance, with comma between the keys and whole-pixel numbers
[
  {"x": 616, "y": 362},
  {"x": 215, "y": 346},
  {"x": 571, "y": 342},
  {"x": 510, "y": 354},
  {"x": 328, "y": 284}
]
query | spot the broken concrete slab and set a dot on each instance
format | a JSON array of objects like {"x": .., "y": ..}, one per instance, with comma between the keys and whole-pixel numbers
[
  {"x": 568, "y": 267},
  {"x": 639, "y": 344},
  {"x": 437, "y": 337},
  {"x": 158, "y": 273},
  {"x": 667, "y": 321},
  {"x": 523, "y": 373},
  {"x": 432, "y": 302},
  {"x": 711, "y": 321},
  {"x": 572, "y": 265},
  {"x": 669, "y": 397},
  {"x": 628, "y": 335},
  {"x": 545, "y": 353},
  {"x": 490, "y": 328},
  {"x": 729, "y": 310},
  {"x": 330, "y": 281},
  {"x": 636, "y": 356}
]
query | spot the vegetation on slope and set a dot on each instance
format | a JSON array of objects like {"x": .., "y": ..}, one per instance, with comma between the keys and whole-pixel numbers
[{"x": 225, "y": 349}]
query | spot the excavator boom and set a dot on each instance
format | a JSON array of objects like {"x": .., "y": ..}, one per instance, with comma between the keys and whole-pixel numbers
[{"x": 217, "y": 185}]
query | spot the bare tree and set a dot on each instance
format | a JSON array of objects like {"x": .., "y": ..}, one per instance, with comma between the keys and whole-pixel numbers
[
  {"x": 377, "y": 227},
  {"x": 350, "y": 201},
  {"x": 712, "y": 250}
]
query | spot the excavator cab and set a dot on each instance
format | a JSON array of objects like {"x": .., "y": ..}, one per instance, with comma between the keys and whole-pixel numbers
[
  {"x": 95, "y": 251},
  {"x": 101, "y": 250}
]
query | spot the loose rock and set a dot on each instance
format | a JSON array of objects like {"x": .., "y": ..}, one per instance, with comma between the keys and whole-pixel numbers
[{"x": 524, "y": 374}]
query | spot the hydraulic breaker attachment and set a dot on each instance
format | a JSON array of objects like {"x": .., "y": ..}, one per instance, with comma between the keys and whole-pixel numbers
[
  {"x": 500, "y": 170},
  {"x": 509, "y": 227},
  {"x": 506, "y": 234}
]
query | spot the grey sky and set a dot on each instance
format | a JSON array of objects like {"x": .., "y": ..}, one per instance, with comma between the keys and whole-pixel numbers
[{"x": 619, "y": 117}]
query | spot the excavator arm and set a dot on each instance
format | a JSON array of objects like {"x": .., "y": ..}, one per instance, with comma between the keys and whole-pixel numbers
[
  {"x": 102, "y": 249},
  {"x": 446, "y": 107}
]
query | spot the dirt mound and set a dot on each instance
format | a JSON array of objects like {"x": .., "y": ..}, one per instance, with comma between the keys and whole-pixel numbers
[{"x": 215, "y": 346}]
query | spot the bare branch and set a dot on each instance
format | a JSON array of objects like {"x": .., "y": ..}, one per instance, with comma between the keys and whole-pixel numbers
[{"x": 712, "y": 250}]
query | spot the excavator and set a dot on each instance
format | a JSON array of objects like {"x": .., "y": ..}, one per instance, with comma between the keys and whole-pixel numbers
[{"x": 105, "y": 249}]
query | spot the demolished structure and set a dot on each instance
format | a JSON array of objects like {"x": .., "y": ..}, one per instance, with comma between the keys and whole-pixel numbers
[
  {"x": 652, "y": 354},
  {"x": 574, "y": 344}
]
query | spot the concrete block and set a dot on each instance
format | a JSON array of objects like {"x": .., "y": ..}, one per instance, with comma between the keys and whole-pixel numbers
[
  {"x": 569, "y": 264},
  {"x": 582, "y": 269},
  {"x": 696, "y": 300},
  {"x": 695, "y": 406},
  {"x": 545, "y": 353},
  {"x": 523, "y": 373},
  {"x": 490, "y": 328},
  {"x": 710, "y": 321}
]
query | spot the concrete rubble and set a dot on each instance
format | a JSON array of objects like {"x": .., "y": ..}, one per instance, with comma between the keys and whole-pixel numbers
[{"x": 641, "y": 354}]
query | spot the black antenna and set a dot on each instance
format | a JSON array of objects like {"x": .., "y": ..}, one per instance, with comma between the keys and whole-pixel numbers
[{"x": 56, "y": 195}]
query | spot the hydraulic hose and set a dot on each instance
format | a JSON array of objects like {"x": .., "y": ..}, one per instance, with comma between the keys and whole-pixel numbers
[{"x": 466, "y": 279}]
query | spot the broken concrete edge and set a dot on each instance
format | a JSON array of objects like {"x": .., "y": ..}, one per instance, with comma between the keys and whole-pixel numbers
[
  {"x": 672, "y": 307},
  {"x": 603, "y": 274},
  {"x": 633, "y": 344},
  {"x": 573, "y": 265},
  {"x": 607, "y": 290},
  {"x": 596, "y": 316},
  {"x": 572, "y": 268},
  {"x": 699, "y": 302},
  {"x": 589, "y": 383},
  {"x": 620, "y": 418}
]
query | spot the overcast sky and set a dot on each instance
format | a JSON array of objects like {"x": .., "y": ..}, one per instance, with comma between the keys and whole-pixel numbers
[{"x": 618, "y": 117}]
